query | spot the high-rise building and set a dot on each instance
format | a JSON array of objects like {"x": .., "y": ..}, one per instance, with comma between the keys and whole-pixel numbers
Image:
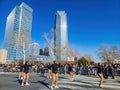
[
  {"x": 35, "y": 47},
  {"x": 41, "y": 52},
  {"x": 46, "y": 51},
  {"x": 60, "y": 35},
  {"x": 18, "y": 32},
  {"x": 3, "y": 56}
]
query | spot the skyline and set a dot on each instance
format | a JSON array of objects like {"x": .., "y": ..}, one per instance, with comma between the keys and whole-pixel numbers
[{"x": 93, "y": 22}]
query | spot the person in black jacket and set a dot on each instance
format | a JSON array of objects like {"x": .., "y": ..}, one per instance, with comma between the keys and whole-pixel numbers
[
  {"x": 54, "y": 67},
  {"x": 49, "y": 70},
  {"x": 100, "y": 73},
  {"x": 106, "y": 71},
  {"x": 20, "y": 76},
  {"x": 110, "y": 69},
  {"x": 70, "y": 69},
  {"x": 26, "y": 74}
]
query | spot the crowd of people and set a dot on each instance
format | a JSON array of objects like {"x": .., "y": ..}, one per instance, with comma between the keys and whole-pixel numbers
[{"x": 103, "y": 70}]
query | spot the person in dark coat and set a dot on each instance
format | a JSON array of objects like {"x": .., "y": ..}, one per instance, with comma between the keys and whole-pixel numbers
[
  {"x": 54, "y": 67},
  {"x": 100, "y": 74},
  {"x": 70, "y": 69},
  {"x": 111, "y": 69},
  {"x": 26, "y": 74},
  {"x": 49, "y": 70}
]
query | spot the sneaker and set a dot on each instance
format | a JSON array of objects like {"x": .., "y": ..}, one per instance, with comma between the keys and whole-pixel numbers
[
  {"x": 72, "y": 79},
  {"x": 21, "y": 78},
  {"x": 56, "y": 86},
  {"x": 22, "y": 84},
  {"x": 51, "y": 87},
  {"x": 101, "y": 86},
  {"x": 27, "y": 84}
]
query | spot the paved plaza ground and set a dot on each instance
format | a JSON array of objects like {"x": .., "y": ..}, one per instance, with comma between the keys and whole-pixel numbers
[{"x": 9, "y": 81}]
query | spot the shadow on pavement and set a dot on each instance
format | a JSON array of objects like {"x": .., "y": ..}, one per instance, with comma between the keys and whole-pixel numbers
[
  {"x": 83, "y": 82},
  {"x": 44, "y": 83},
  {"x": 62, "y": 78},
  {"x": 118, "y": 81},
  {"x": 92, "y": 87},
  {"x": 19, "y": 81}
]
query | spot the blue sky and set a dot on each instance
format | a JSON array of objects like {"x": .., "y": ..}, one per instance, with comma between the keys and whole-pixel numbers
[{"x": 91, "y": 23}]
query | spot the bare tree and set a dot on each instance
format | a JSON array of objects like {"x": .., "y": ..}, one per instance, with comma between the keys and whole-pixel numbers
[
  {"x": 66, "y": 52},
  {"x": 24, "y": 43},
  {"x": 114, "y": 53},
  {"x": 108, "y": 54},
  {"x": 50, "y": 44},
  {"x": 88, "y": 57}
]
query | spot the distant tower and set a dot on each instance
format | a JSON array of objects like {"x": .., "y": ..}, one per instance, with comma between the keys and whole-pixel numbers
[
  {"x": 46, "y": 51},
  {"x": 60, "y": 35},
  {"x": 35, "y": 47},
  {"x": 18, "y": 30},
  {"x": 41, "y": 52}
]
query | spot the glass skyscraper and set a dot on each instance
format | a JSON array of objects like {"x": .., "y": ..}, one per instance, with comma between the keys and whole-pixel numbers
[
  {"x": 60, "y": 35},
  {"x": 34, "y": 48},
  {"x": 18, "y": 32}
]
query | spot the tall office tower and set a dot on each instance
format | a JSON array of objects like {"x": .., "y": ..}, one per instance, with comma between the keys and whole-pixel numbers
[
  {"x": 18, "y": 32},
  {"x": 46, "y": 51},
  {"x": 35, "y": 47},
  {"x": 41, "y": 52},
  {"x": 60, "y": 35}
]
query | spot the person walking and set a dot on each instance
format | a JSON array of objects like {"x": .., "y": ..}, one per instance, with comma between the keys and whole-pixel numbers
[
  {"x": 25, "y": 74},
  {"x": 20, "y": 73},
  {"x": 106, "y": 71},
  {"x": 49, "y": 70},
  {"x": 70, "y": 69},
  {"x": 42, "y": 69},
  {"x": 100, "y": 74},
  {"x": 54, "y": 67},
  {"x": 111, "y": 69}
]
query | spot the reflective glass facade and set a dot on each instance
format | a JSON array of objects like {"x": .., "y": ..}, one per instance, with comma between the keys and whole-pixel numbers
[
  {"x": 60, "y": 35},
  {"x": 34, "y": 48},
  {"x": 18, "y": 32}
]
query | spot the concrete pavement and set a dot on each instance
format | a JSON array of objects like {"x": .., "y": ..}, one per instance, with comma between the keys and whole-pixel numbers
[
  {"x": 89, "y": 83},
  {"x": 9, "y": 81}
]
